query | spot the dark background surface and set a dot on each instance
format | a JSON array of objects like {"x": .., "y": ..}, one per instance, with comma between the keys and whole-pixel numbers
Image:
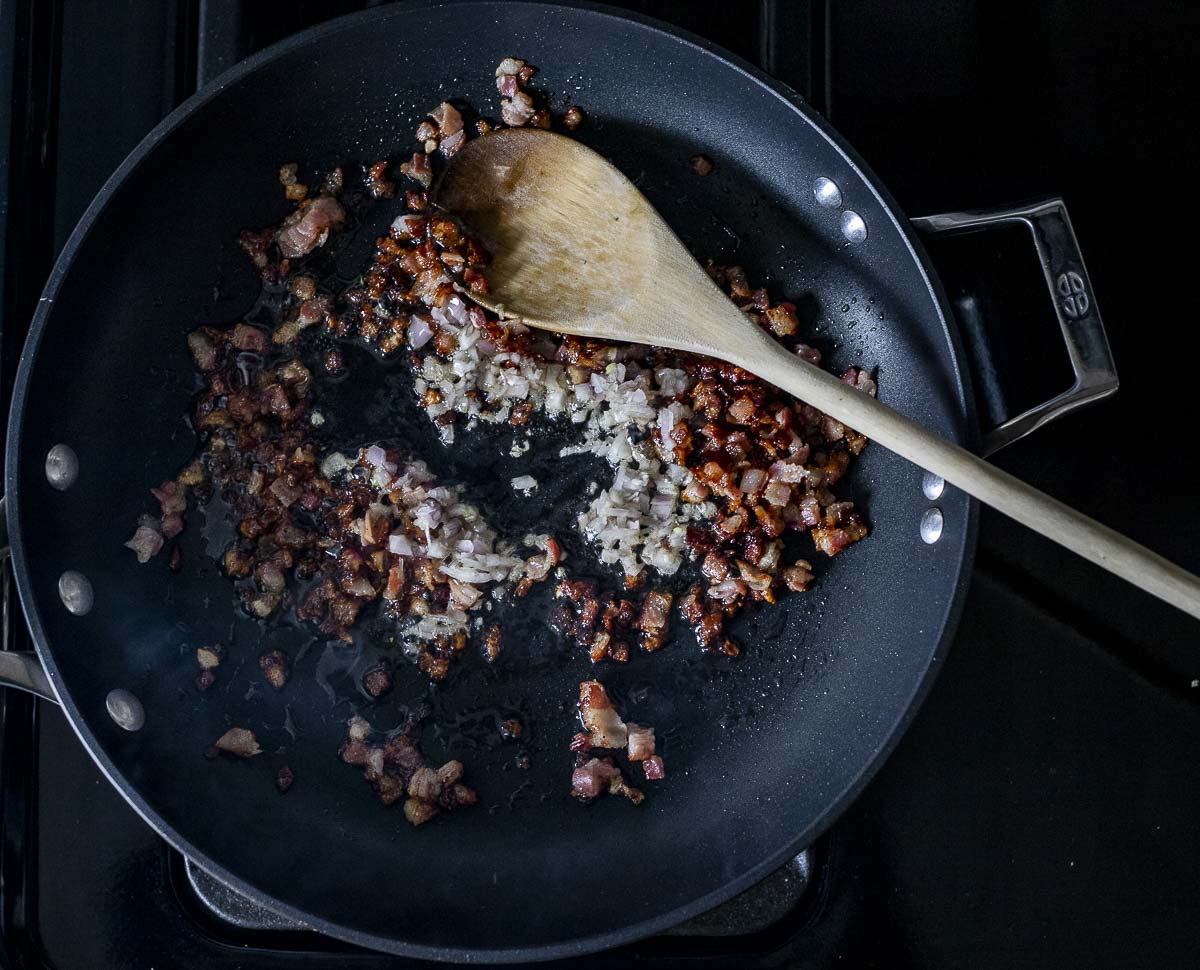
[{"x": 1042, "y": 811}]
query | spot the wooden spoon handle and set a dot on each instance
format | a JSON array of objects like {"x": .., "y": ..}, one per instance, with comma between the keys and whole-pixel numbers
[{"x": 1097, "y": 543}]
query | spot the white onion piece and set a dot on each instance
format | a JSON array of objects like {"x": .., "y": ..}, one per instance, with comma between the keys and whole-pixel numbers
[
  {"x": 662, "y": 505},
  {"x": 420, "y": 332},
  {"x": 377, "y": 458},
  {"x": 400, "y": 544}
]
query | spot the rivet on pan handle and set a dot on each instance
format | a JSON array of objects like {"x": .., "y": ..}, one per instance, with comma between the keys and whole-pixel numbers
[{"x": 1074, "y": 306}]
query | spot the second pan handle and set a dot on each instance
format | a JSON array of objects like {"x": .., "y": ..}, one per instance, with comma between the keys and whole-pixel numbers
[
  {"x": 18, "y": 668},
  {"x": 1074, "y": 307}
]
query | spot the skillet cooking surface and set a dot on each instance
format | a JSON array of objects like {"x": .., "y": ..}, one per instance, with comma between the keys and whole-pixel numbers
[{"x": 761, "y": 752}]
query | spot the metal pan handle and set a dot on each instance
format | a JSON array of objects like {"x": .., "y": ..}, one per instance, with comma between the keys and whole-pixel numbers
[
  {"x": 21, "y": 668},
  {"x": 1074, "y": 306},
  {"x": 18, "y": 668}
]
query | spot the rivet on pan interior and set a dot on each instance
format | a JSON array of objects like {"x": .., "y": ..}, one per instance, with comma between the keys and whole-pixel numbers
[
  {"x": 827, "y": 192},
  {"x": 853, "y": 227},
  {"x": 125, "y": 709},
  {"x": 931, "y": 525},
  {"x": 62, "y": 467},
  {"x": 75, "y": 592},
  {"x": 933, "y": 486}
]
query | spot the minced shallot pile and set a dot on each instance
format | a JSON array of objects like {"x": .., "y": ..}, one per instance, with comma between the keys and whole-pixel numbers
[{"x": 710, "y": 467}]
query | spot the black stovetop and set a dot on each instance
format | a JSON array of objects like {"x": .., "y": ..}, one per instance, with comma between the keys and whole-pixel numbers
[{"x": 1042, "y": 809}]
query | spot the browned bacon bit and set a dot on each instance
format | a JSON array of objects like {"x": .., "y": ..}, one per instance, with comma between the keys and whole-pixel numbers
[
  {"x": 284, "y": 778},
  {"x": 396, "y": 769},
  {"x": 239, "y": 741},
  {"x": 172, "y": 500},
  {"x": 171, "y": 497},
  {"x": 379, "y": 186},
  {"x": 516, "y": 106},
  {"x": 798, "y": 576},
  {"x": 599, "y": 775},
  {"x": 205, "y": 679},
  {"x": 429, "y": 791},
  {"x": 640, "y": 742},
  {"x": 654, "y": 769},
  {"x": 521, "y": 413},
  {"x": 334, "y": 362},
  {"x": 510, "y": 728},
  {"x": 690, "y": 606},
  {"x": 605, "y": 625},
  {"x": 433, "y": 658},
  {"x": 702, "y": 164},
  {"x": 334, "y": 181},
  {"x": 600, "y": 717},
  {"x": 274, "y": 665},
  {"x": 293, "y": 189},
  {"x": 858, "y": 378},
  {"x": 810, "y": 354},
  {"x": 651, "y": 642},
  {"x": 210, "y": 657},
  {"x": 709, "y": 628},
  {"x": 510, "y": 67},
  {"x": 418, "y": 169},
  {"x": 476, "y": 281},
  {"x": 450, "y": 127},
  {"x": 581, "y": 743},
  {"x": 147, "y": 540},
  {"x": 308, "y": 227},
  {"x": 378, "y": 680},
  {"x": 492, "y": 641},
  {"x": 782, "y": 321},
  {"x": 653, "y": 619},
  {"x": 418, "y": 812},
  {"x": 256, "y": 245},
  {"x": 573, "y": 118},
  {"x": 246, "y": 337},
  {"x": 590, "y": 779},
  {"x": 416, "y": 201}
]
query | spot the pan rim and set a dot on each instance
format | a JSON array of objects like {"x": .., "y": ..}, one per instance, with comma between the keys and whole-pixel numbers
[{"x": 522, "y": 952}]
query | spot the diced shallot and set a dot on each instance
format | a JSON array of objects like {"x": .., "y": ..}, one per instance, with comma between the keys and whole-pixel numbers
[
  {"x": 400, "y": 544},
  {"x": 420, "y": 332}
]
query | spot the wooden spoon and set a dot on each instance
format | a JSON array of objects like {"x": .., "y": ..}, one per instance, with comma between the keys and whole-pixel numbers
[{"x": 578, "y": 249}]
